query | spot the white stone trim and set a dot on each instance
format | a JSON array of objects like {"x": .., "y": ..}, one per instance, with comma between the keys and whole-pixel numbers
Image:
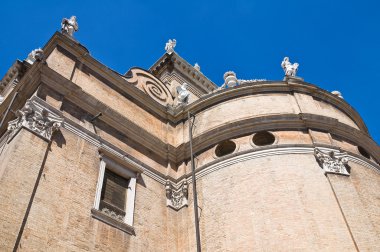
[
  {"x": 252, "y": 154},
  {"x": 37, "y": 119},
  {"x": 107, "y": 163}
]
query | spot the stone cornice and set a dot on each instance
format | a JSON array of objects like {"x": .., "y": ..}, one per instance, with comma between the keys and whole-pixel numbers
[
  {"x": 115, "y": 152},
  {"x": 177, "y": 114}
]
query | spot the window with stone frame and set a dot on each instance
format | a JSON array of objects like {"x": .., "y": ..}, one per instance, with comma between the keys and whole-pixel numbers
[{"x": 115, "y": 192}]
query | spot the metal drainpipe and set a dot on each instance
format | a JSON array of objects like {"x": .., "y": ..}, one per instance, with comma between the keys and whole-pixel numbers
[
  {"x": 7, "y": 111},
  {"x": 196, "y": 219}
]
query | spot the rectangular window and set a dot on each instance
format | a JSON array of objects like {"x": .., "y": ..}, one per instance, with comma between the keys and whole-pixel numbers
[{"x": 115, "y": 193}]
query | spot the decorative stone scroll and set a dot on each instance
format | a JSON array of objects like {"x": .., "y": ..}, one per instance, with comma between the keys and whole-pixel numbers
[
  {"x": 331, "y": 162},
  {"x": 152, "y": 86},
  {"x": 176, "y": 197},
  {"x": 36, "y": 119}
]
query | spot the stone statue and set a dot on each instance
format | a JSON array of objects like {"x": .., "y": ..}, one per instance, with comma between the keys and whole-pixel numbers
[
  {"x": 169, "y": 47},
  {"x": 289, "y": 68},
  {"x": 69, "y": 26},
  {"x": 197, "y": 67},
  {"x": 1, "y": 99},
  {"x": 230, "y": 79},
  {"x": 183, "y": 94},
  {"x": 35, "y": 55},
  {"x": 337, "y": 93}
]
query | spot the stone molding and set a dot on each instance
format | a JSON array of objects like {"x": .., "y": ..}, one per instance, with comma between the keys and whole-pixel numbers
[
  {"x": 332, "y": 162},
  {"x": 176, "y": 196},
  {"x": 109, "y": 149},
  {"x": 36, "y": 119},
  {"x": 178, "y": 115},
  {"x": 150, "y": 85}
]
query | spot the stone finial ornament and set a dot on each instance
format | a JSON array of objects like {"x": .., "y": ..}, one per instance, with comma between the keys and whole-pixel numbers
[
  {"x": 230, "y": 79},
  {"x": 36, "y": 119},
  {"x": 69, "y": 26},
  {"x": 197, "y": 67},
  {"x": 331, "y": 163},
  {"x": 169, "y": 47},
  {"x": 183, "y": 94},
  {"x": 176, "y": 197},
  {"x": 35, "y": 55},
  {"x": 337, "y": 93},
  {"x": 289, "y": 68}
]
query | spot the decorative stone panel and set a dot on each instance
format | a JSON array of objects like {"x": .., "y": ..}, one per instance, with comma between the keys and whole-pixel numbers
[
  {"x": 37, "y": 119},
  {"x": 176, "y": 197},
  {"x": 332, "y": 162}
]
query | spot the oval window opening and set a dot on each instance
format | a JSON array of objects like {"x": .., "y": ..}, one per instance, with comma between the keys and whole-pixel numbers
[
  {"x": 363, "y": 152},
  {"x": 225, "y": 148},
  {"x": 263, "y": 138}
]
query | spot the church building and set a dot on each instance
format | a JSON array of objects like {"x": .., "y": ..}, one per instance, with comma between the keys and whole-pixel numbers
[{"x": 163, "y": 159}]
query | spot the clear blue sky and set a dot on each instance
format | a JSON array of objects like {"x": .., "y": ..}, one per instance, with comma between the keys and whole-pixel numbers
[{"x": 336, "y": 42}]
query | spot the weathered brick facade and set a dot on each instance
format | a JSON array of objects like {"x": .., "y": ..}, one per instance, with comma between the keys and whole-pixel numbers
[{"x": 277, "y": 196}]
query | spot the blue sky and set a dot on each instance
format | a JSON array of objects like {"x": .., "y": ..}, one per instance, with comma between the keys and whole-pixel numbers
[{"x": 336, "y": 43}]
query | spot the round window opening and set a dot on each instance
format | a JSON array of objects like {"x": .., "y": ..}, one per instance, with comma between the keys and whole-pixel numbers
[
  {"x": 363, "y": 152},
  {"x": 225, "y": 148},
  {"x": 263, "y": 138}
]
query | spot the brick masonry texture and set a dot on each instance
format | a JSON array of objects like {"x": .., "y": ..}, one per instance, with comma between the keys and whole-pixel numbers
[{"x": 258, "y": 198}]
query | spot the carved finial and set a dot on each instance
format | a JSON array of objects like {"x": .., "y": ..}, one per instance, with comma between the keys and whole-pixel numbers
[
  {"x": 35, "y": 55},
  {"x": 69, "y": 26},
  {"x": 230, "y": 79},
  {"x": 197, "y": 67},
  {"x": 289, "y": 68},
  {"x": 331, "y": 163},
  {"x": 169, "y": 47},
  {"x": 337, "y": 93},
  {"x": 183, "y": 94}
]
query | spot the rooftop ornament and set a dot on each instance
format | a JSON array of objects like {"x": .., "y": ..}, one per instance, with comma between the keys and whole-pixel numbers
[
  {"x": 169, "y": 47},
  {"x": 230, "y": 79},
  {"x": 197, "y": 67},
  {"x": 35, "y": 55},
  {"x": 289, "y": 68},
  {"x": 1, "y": 99},
  {"x": 183, "y": 94},
  {"x": 69, "y": 26},
  {"x": 337, "y": 93}
]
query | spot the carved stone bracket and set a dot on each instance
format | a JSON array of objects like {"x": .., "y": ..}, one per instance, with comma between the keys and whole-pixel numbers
[
  {"x": 332, "y": 162},
  {"x": 176, "y": 197},
  {"x": 36, "y": 119}
]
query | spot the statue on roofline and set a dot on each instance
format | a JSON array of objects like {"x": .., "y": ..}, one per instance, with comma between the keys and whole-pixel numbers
[
  {"x": 289, "y": 68},
  {"x": 169, "y": 47},
  {"x": 69, "y": 26}
]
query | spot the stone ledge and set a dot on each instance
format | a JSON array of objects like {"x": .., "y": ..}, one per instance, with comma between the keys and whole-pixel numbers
[{"x": 112, "y": 222}]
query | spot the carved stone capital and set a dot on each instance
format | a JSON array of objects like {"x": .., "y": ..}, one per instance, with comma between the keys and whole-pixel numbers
[
  {"x": 176, "y": 197},
  {"x": 36, "y": 119},
  {"x": 332, "y": 162}
]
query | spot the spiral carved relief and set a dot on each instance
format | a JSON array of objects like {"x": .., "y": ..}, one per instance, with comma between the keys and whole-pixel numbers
[{"x": 152, "y": 86}]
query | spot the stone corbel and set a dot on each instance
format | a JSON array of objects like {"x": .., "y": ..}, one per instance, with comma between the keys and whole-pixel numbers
[
  {"x": 176, "y": 197},
  {"x": 36, "y": 119},
  {"x": 332, "y": 162}
]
